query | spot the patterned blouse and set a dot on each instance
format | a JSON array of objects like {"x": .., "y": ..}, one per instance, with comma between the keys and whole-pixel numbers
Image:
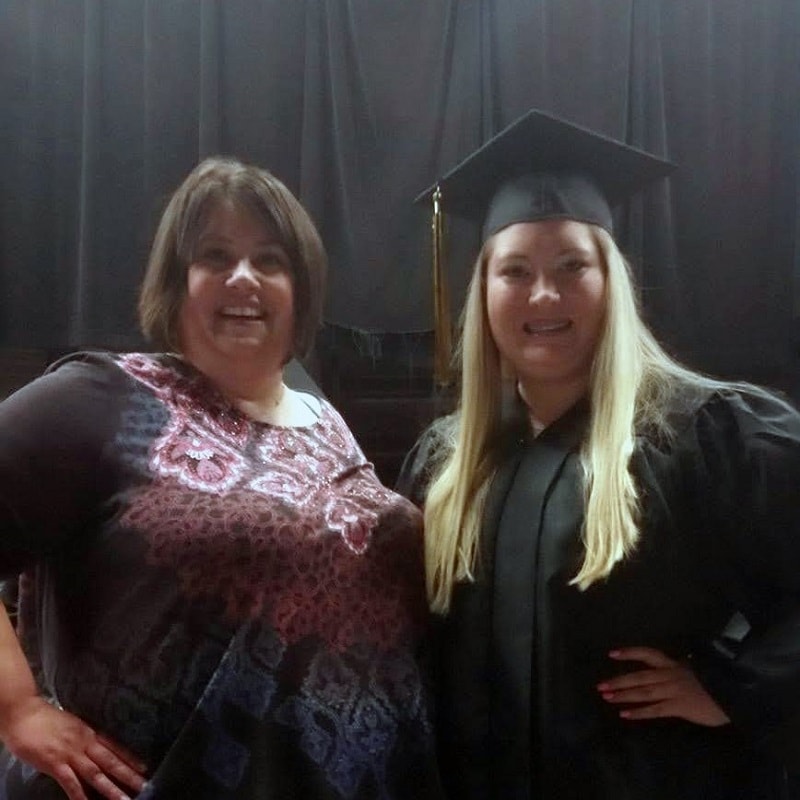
[{"x": 240, "y": 604}]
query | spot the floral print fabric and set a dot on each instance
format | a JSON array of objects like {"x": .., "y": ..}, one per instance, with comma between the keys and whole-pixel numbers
[{"x": 257, "y": 615}]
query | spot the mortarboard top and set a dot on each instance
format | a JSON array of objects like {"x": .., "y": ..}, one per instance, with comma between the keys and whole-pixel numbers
[{"x": 542, "y": 167}]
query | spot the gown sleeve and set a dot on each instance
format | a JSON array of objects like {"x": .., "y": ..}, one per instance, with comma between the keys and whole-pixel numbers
[
  {"x": 748, "y": 447},
  {"x": 52, "y": 477}
]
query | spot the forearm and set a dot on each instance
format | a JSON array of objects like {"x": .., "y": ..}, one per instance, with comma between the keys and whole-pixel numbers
[
  {"x": 757, "y": 682},
  {"x": 16, "y": 679},
  {"x": 54, "y": 741}
]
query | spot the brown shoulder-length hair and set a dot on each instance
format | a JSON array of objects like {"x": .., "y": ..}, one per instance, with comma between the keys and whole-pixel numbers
[{"x": 214, "y": 181}]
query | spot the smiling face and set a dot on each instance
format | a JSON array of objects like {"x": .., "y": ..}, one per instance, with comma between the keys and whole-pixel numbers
[
  {"x": 239, "y": 303},
  {"x": 545, "y": 302}
]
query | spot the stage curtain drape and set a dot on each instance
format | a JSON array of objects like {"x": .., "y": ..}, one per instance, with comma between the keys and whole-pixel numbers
[{"x": 358, "y": 105}]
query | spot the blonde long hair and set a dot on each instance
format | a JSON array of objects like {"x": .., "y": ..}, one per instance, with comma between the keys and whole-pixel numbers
[{"x": 631, "y": 380}]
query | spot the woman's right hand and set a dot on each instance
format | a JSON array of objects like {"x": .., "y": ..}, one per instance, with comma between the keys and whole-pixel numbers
[{"x": 61, "y": 745}]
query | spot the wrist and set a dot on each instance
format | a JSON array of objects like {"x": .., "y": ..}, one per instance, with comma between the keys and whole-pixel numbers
[{"x": 22, "y": 706}]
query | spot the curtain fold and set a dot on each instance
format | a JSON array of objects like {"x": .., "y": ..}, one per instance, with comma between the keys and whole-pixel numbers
[
  {"x": 648, "y": 228},
  {"x": 90, "y": 105},
  {"x": 208, "y": 66}
]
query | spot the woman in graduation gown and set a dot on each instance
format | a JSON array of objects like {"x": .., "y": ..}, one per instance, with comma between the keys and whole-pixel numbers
[{"x": 612, "y": 540}]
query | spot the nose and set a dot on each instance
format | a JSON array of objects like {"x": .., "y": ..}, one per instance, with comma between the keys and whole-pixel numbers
[
  {"x": 242, "y": 275},
  {"x": 543, "y": 290}
]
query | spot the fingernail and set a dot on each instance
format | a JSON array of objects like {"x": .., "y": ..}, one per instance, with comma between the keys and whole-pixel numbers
[
  {"x": 614, "y": 654},
  {"x": 602, "y": 686}
]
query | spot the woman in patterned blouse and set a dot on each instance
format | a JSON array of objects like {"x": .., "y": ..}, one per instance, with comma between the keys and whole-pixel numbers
[{"x": 220, "y": 600}]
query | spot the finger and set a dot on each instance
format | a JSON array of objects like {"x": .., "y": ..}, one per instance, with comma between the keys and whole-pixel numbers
[
  {"x": 66, "y": 778},
  {"x": 641, "y": 677},
  {"x": 641, "y": 694},
  {"x": 652, "y": 711},
  {"x": 112, "y": 765},
  {"x": 123, "y": 754},
  {"x": 647, "y": 655},
  {"x": 93, "y": 775},
  {"x": 707, "y": 715}
]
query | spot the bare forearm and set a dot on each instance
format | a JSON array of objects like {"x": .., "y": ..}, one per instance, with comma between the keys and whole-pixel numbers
[
  {"x": 54, "y": 741},
  {"x": 16, "y": 679}
]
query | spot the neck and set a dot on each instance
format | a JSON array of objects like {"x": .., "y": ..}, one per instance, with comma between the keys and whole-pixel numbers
[
  {"x": 264, "y": 407},
  {"x": 546, "y": 404},
  {"x": 252, "y": 389}
]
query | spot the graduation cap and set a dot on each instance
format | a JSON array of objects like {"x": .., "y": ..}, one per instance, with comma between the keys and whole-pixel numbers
[{"x": 543, "y": 167}]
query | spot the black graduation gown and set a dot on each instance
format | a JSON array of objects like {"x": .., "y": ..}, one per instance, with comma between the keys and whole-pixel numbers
[{"x": 715, "y": 580}]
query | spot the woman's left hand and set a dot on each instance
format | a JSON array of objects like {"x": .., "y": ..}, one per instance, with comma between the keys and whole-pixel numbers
[{"x": 664, "y": 688}]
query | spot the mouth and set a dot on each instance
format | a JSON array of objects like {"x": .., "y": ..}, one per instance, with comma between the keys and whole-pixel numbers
[
  {"x": 547, "y": 327},
  {"x": 241, "y": 314}
]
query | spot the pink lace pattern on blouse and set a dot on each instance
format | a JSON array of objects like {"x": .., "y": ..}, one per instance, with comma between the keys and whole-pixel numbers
[{"x": 279, "y": 522}]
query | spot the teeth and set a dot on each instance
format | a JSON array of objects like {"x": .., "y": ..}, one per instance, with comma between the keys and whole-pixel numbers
[
  {"x": 545, "y": 327},
  {"x": 241, "y": 312}
]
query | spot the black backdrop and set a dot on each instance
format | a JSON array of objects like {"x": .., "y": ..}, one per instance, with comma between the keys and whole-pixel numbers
[{"x": 357, "y": 105}]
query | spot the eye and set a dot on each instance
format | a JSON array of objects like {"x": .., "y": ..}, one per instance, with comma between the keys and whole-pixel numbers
[
  {"x": 572, "y": 265},
  {"x": 270, "y": 260},
  {"x": 513, "y": 270},
  {"x": 216, "y": 257}
]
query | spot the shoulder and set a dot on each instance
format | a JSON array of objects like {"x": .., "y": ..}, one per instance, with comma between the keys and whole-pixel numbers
[
  {"x": 84, "y": 365},
  {"x": 735, "y": 435},
  {"x": 103, "y": 369},
  {"x": 440, "y": 435},
  {"x": 754, "y": 428},
  {"x": 710, "y": 407},
  {"x": 747, "y": 416},
  {"x": 716, "y": 434},
  {"x": 67, "y": 384},
  {"x": 78, "y": 398},
  {"x": 428, "y": 454},
  {"x": 756, "y": 410}
]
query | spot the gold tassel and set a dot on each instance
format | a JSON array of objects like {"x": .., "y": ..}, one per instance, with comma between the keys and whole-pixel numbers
[{"x": 442, "y": 327}]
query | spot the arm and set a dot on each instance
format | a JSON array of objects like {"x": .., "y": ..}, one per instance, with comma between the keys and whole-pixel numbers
[
  {"x": 52, "y": 471},
  {"x": 51, "y": 439},
  {"x": 744, "y": 452},
  {"x": 755, "y": 674},
  {"x": 52, "y": 740}
]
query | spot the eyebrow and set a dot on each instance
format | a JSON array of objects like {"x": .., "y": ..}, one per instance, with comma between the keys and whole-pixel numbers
[
  {"x": 579, "y": 250},
  {"x": 221, "y": 237}
]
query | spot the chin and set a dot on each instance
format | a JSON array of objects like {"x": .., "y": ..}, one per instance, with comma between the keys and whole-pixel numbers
[
  {"x": 551, "y": 374},
  {"x": 265, "y": 354},
  {"x": 234, "y": 343}
]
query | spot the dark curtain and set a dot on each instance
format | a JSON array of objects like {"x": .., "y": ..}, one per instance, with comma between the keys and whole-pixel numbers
[{"x": 358, "y": 105}]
